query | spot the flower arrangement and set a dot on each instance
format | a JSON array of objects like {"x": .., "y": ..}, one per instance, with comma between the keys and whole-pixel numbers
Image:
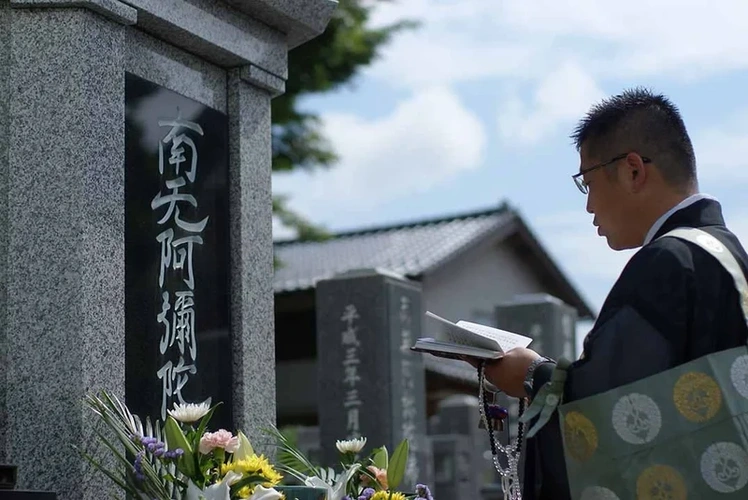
[
  {"x": 375, "y": 476},
  {"x": 181, "y": 460}
]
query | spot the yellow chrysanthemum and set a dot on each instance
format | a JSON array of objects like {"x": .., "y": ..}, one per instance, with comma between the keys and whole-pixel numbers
[
  {"x": 255, "y": 465},
  {"x": 385, "y": 495}
]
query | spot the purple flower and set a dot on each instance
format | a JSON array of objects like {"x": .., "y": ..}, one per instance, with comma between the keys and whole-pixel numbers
[
  {"x": 424, "y": 492},
  {"x": 137, "y": 467},
  {"x": 154, "y": 446},
  {"x": 173, "y": 454},
  {"x": 366, "y": 494},
  {"x": 145, "y": 440}
]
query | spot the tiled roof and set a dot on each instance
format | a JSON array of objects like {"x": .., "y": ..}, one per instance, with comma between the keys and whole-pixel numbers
[{"x": 407, "y": 249}]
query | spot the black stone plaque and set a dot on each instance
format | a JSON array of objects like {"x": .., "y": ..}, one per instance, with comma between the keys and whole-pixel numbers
[{"x": 178, "y": 347}]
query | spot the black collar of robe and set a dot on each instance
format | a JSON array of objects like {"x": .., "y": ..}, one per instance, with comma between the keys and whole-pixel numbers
[{"x": 703, "y": 213}]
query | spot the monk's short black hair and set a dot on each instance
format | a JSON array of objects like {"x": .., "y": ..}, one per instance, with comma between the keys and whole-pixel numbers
[{"x": 638, "y": 120}]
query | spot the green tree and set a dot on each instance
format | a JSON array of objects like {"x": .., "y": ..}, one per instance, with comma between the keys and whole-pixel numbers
[{"x": 323, "y": 64}]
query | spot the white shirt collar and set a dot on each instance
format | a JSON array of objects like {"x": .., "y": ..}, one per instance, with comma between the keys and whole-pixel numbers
[{"x": 683, "y": 204}]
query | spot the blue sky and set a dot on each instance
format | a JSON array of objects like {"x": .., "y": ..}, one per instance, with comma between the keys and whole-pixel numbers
[{"x": 476, "y": 106}]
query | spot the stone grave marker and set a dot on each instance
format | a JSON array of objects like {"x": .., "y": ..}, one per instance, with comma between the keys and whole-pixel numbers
[
  {"x": 458, "y": 414},
  {"x": 370, "y": 383},
  {"x": 453, "y": 477}
]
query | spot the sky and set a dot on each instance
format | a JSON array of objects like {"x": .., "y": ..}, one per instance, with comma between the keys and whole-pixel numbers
[{"x": 476, "y": 105}]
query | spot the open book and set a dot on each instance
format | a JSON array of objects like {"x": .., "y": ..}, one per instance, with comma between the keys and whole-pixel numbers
[{"x": 466, "y": 339}]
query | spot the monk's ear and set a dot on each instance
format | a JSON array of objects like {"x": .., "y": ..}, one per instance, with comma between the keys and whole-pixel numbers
[{"x": 635, "y": 172}]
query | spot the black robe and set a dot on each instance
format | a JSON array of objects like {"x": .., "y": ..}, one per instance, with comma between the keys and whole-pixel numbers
[{"x": 672, "y": 303}]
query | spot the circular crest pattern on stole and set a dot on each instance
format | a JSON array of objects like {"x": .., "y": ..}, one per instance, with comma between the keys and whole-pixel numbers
[
  {"x": 580, "y": 436},
  {"x": 636, "y": 418},
  {"x": 739, "y": 375},
  {"x": 697, "y": 396},
  {"x": 724, "y": 467},
  {"x": 598, "y": 493},
  {"x": 660, "y": 482}
]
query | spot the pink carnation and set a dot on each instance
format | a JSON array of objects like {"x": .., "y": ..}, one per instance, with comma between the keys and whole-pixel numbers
[
  {"x": 219, "y": 439},
  {"x": 380, "y": 474}
]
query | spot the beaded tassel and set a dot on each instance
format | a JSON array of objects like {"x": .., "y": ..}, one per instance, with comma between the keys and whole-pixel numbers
[{"x": 510, "y": 483}]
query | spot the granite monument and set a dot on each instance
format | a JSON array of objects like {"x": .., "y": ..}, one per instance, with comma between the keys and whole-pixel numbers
[{"x": 67, "y": 70}]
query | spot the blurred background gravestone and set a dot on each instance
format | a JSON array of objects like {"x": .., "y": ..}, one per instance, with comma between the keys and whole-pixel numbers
[
  {"x": 459, "y": 443},
  {"x": 453, "y": 476},
  {"x": 135, "y": 142},
  {"x": 549, "y": 321},
  {"x": 552, "y": 325},
  {"x": 370, "y": 383}
]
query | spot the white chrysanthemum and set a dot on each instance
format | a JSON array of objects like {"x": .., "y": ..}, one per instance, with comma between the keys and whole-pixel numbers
[
  {"x": 351, "y": 446},
  {"x": 189, "y": 412}
]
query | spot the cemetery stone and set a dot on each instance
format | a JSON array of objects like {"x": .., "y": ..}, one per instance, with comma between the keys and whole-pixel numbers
[
  {"x": 95, "y": 97},
  {"x": 370, "y": 383}
]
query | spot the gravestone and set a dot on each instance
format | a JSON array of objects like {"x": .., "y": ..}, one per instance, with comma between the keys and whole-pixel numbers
[
  {"x": 453, "y": 477},
  {"x": 91, "y": 97},
  {"x": 546, "y": 319},
  {"x": 307, "y": 441},
  {"x": 370, "y": 383},
  {"x": 549, "y": 322},
  {"x": 459, "y": 416}
]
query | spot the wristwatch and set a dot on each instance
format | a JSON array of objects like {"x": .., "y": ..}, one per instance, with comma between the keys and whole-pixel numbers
[{"x": 531, "y": 373}]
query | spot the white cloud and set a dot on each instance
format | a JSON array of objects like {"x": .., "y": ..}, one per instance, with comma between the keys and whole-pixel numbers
[
  {"x": 648, "y": 37},
  {"x": 281, "y": 232},
  {"x": 563, "y": 95},
  {"x": 522, "y": 42},
  {"x": 443, "y": 58},
  {"x": 426, "y": 140},
  {"x": 722, "y": 150}
]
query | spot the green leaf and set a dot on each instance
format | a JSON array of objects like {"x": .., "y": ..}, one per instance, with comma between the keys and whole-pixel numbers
[
  {"x": 396, "y": 468},
  {"x": 203, "y": 425},
  {"x": 380, "y": 458},
  {"x": 175, "y": 438},
  {"x": 247, "y": 481},
  {"x": 290, "y": 457}
]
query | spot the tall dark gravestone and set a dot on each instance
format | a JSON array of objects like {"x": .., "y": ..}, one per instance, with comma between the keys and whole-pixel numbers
[
  {"x": 177, "y": 344},
  {"x": 370, "y": 383}
]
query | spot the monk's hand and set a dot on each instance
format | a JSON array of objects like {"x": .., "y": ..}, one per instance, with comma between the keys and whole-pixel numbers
[{"x": 508, "y": 372}]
